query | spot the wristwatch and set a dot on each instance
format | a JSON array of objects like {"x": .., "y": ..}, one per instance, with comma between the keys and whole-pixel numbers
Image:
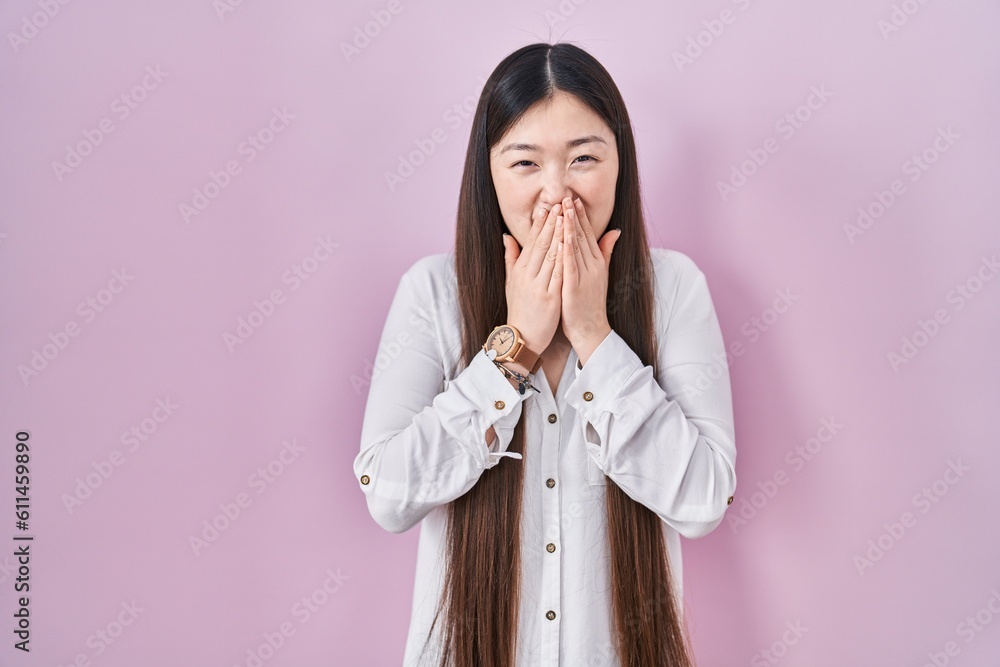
[{"x": 506, "y": 341}]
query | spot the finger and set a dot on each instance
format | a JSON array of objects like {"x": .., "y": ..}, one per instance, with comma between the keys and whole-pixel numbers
[
  {"x": 555, "y": 280},
  {"x": 583, "y": 222},
  {"x": 571, "y": 267},
  {"x": 576, "y": 241},
  {"x": 537, "y": 220},
  {"x": 545, "y": 273},
  {"x": 608, "y": 243},
  {"x": 543, "y": 242},
  {"x": 511, "y": 253}
]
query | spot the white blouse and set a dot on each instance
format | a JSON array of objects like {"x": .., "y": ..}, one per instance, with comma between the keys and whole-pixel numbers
[{"x": 667, "y": 441}]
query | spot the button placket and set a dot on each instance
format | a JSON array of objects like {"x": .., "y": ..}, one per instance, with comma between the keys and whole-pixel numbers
[{"x": 551, "y": 593}]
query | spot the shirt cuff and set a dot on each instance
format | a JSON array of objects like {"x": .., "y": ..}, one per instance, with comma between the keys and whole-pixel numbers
[
  {"x": 500, "y": 407},
  {"x": 595, "y": 391}
]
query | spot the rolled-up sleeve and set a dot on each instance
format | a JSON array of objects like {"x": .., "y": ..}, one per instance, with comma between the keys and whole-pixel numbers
[
  {"x": 423, "y": 440},
  {"x": 667, "y": 441}
]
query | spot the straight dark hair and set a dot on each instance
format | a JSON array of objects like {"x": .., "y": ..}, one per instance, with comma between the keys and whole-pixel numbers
[{"x": 482, "y": 586}]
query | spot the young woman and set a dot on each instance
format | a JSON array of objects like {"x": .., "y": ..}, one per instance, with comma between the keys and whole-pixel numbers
[{"x": 552, "y": 400}]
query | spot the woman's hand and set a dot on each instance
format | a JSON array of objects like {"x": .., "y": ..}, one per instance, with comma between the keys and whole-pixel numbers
[
  {"x": 534, "y": 279},
  {"x": 585, "y": 280}
]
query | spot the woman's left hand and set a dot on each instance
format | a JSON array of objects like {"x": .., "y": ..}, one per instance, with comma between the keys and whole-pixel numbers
[{"x": 585, "y": 280}]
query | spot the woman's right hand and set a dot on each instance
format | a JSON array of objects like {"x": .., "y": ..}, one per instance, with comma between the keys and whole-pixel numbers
[{"x": 534, "y": 279}]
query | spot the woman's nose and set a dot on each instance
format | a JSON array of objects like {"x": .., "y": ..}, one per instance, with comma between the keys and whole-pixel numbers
[
  {"x": 554, "y": 196},
  {"x": 555, "y": 189}
]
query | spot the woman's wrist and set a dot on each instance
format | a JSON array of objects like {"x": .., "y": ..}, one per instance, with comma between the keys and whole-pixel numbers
[
  {"x": 510, "y": 366},
  {"x": 518, "y": 380},
  {"x": 515, "y": 366}
]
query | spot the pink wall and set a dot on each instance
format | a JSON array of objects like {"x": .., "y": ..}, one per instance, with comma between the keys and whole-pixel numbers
[{"x": 162, "y": 100}]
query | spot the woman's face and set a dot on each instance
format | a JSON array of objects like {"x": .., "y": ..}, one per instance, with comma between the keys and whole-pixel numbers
[{"x": 559, "y": 148}]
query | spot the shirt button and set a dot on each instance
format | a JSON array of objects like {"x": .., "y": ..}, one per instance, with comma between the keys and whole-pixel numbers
[
  {"x": 730, "y": 501},
  {"x": 551, "y": 615},
  {"x": 498, "y": 405},
  {"x": 550, "y": 482},
  {"x": 552, "y": 418},
  {"x": 365, "y": 479},
  {"x": 587, "y": 396},
  {"x": 550, "y": 547}
]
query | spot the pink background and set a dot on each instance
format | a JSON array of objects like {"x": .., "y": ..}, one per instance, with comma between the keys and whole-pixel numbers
[{"x": 299, "y": 377}]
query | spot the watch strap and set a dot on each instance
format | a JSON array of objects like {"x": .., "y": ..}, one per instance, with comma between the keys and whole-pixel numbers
[{"x": 528, "y": 358}]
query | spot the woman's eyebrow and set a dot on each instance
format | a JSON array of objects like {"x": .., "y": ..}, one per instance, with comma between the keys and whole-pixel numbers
[{"x": 572, "y": 143}]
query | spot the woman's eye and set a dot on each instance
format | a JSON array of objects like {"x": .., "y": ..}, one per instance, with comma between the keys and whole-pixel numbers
[{"x": 589, "y": 158}]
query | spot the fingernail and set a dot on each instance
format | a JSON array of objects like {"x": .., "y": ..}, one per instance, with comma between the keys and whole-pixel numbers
[{"x": 578, "y": 202}]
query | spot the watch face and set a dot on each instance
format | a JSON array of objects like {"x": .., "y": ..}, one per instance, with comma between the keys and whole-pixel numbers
[{"x": 501, "y": 340}]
